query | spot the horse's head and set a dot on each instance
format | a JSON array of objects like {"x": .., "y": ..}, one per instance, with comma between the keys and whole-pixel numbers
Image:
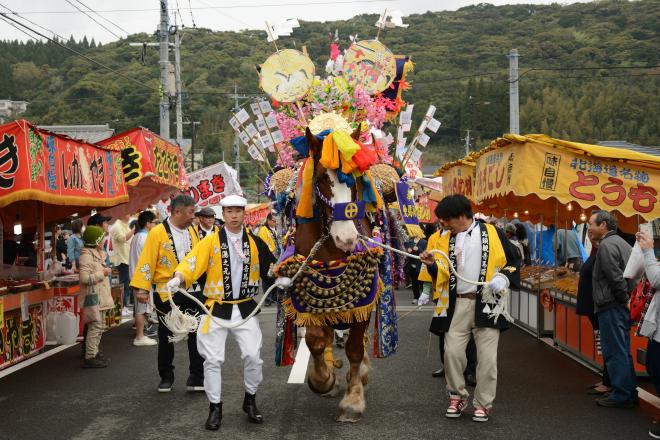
[{"x": 331, "y": 191}]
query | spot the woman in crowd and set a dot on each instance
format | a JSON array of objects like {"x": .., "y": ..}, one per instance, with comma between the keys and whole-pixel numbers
[
  {"x": 96, "y": 287},
  {"x": 651, "y": 324}
]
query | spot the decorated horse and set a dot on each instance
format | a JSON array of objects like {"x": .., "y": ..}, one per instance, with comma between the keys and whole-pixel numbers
[
  {"x": 327, "y": 191},
  {"x": 340, "y": 286}
]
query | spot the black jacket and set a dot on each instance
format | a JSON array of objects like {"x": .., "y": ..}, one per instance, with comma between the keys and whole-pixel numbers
[
  {"x": 266, "y": 260},
  {"x": 441, "y": 324},
  {"x": 610, "y": 289}
]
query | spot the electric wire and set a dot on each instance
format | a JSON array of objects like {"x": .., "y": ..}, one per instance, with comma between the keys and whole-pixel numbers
[
  {"x": 103, "y": 17},
  {"x": 115, "y": 71},
  {"x": 92, "y": 18},
  {"x": 264, "y": 5}
]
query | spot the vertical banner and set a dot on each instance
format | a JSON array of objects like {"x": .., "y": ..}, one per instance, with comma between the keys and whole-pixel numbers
[{"x": 408, "y": 209}]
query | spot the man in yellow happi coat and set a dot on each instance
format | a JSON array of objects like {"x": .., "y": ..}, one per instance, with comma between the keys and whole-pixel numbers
[
  {"x": 478, "y": 252},
  {"x": 234, "y": 261},
  {"x": 165, "y": 246},
  {"x": 268, "y": 235},
  {"x": 206, "y": 226}
]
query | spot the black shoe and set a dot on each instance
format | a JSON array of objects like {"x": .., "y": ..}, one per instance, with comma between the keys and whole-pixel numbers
[
  {"x": 215, "y": 417},
  {"x": 609, "y": 403},
  {"x": 165, "y": 385},
  {"x": 250, "y": 408},
  {"x": 194, "y": 383},
  {"x": 96, "y": 362},
  {"x": 440, "y": 372},
  {"x": 470, "y": 380}
]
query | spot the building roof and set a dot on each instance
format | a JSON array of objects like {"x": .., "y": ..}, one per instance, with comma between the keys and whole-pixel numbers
[
  {"x": 428, "y": 170},
  {"x": 87, "y": 133},
  {"x": 655, "y": 151}
]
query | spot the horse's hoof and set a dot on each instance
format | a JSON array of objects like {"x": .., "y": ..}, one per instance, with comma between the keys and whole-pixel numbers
[
  {"x": 330, "y": 391},
  {"x": 348, "y": 417},
  {"x": 336, "y": 388}
]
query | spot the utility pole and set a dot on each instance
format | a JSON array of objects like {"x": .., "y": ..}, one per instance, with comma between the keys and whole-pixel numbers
[
  {"x": 514, "y": 112},
  {"x": 179, "y": 95},
  {"x": 467, "y": 142},
  {"x": 164, "y": 71}
]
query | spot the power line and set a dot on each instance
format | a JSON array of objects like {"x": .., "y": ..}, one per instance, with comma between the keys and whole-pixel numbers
[
  {"x": 191, "y": 15},
  {"x": 265, "y": 5},
  {"x": 36, "y": 24},
  {"x": 560, "y": 69},
  {"x": 224, "y": 14},
  {"x": 13, "y": 25},
  {"x": 5, "y": 15},
  {"x": 109, "y": 21},
  {"x": 93, "y": 19}
]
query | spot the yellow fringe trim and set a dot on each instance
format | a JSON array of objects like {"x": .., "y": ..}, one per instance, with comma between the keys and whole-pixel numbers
[
  {"x": 358, "y": 314},
  {"x": 56, "y": 199}
]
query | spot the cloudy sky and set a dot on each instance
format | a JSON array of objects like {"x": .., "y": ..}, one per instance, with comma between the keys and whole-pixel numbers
[{"x": 133, "y": 16}]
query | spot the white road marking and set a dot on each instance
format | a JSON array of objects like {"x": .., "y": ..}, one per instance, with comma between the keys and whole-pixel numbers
[
  {"x": 299, "y": 369},
  {"x": 34, "y": 359}
]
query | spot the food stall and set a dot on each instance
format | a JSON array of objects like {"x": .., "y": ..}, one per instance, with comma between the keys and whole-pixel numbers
[
  {"x": 152, "y": 169},
  {"x": 256, "y": 213},
  {"x": 44, "y": 178},
  {"x": 548, "y": 180}
]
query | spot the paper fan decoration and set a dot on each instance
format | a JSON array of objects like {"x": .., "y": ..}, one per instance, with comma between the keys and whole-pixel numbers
[
  {"x": 329, "y": 121},
  {"x": 370, "y": 65},
  {"x": 287, "y": 75}
]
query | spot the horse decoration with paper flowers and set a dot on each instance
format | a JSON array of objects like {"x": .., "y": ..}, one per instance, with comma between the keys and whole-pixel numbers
[{"x": 331, "y": 177}]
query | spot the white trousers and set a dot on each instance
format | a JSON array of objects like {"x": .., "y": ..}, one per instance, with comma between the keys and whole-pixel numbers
[{"x": 211, "y": 345}]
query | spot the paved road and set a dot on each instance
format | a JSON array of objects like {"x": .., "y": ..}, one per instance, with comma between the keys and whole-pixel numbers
[{"x": 540, "y": 396}]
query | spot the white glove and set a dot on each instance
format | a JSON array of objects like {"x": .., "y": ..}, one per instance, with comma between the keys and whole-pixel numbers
[
  {"x": 283, "y": 282},
  {"x": 423, "y": 299},
  {"x": 498, "y": 283},
  {"x": 173, "y": 284}
]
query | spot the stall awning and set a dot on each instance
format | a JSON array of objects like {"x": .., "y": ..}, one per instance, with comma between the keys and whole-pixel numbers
[
  {"x": 458, "y": 177},
  {"x": 523, "y": 172},
  {"x": 152, "y": 166},
  {"x": 256, "y": 213},
  {"x": 40, "y": 166}
]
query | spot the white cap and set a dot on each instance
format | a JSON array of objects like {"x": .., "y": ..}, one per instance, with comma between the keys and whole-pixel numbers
[{"x": 233, "y": 200}]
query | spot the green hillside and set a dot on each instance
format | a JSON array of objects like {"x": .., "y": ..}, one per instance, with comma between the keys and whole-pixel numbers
[{"x": 460, "y": 67}]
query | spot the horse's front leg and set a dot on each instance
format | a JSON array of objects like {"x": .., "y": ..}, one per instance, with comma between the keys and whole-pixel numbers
[
  {"x": 353, "y": 404},
  {"x": 322, "y": 379}
]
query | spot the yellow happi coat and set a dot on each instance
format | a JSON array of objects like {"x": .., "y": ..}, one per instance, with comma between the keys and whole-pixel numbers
[
  {"x": 267, "y": 236},
  {"x": 207, "y": 258},
  {"x": 157, "y": 261},
  {"x": 195, "y": 231},
  {"x": 444, "y": 306}
]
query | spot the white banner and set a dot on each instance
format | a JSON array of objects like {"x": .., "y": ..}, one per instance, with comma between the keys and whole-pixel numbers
[{"x": 211, "y": 184}]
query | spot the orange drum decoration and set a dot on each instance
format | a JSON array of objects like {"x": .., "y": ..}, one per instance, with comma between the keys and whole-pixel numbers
[
  {"x": 65, "y": 174},
  {"x": 152, "y": 168}
]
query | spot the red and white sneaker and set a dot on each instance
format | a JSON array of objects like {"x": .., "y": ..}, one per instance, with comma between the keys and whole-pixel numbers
[
  {"x": 456, "y": 407},
  {"x": 480, "y": 414}
]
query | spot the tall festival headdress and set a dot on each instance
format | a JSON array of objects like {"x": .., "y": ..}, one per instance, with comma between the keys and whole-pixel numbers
[{"x": 361, "y": 94}]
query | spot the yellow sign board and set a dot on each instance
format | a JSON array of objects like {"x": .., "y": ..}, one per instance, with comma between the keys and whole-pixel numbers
[{"x": 569, "y": 175}]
